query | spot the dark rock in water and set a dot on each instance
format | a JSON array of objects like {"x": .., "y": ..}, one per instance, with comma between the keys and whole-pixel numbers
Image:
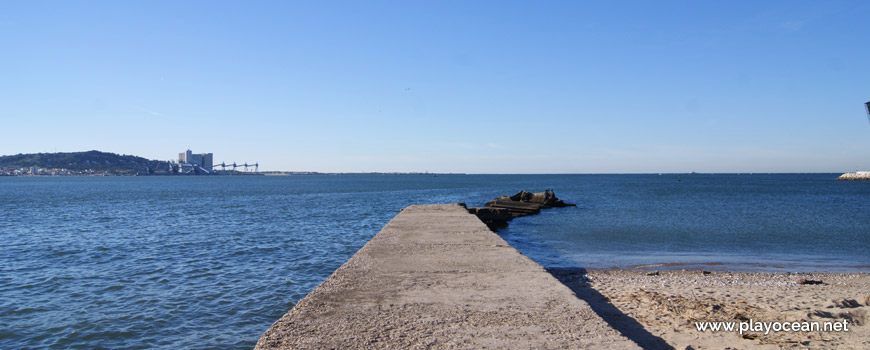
[
  {"x": 494, "y": 218},
  {"x": 521, "y": 208},
  {"x": 523, "y": 196},
  {"x": 546, "y": 199},
  {"x": 499, "y": 211}
]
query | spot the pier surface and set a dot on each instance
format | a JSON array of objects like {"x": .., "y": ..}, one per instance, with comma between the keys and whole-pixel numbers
[{"x": 436, "y": 277}]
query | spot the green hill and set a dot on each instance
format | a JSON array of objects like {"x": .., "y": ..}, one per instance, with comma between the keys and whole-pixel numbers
[{"x": 80, "y": 161}]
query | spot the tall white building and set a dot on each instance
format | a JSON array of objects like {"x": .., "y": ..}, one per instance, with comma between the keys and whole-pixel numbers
[{"x": 204, "y": 160}]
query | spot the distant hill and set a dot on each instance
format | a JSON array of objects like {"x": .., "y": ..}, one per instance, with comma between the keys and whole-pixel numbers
[{"x": 80, "y": 161}]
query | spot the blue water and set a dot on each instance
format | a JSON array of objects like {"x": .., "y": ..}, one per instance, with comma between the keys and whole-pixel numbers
[
  {"x": 211, "y": 262},
  {"x": 783, "y": 222}
]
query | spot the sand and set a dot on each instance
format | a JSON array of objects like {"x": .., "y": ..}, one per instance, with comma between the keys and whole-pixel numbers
[{"x": 658, "y": 310}]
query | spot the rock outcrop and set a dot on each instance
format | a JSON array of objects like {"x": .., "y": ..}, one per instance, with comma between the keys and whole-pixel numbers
[
  {"x": 499, "y": 211},
  {"x": 859, "y": 175}
]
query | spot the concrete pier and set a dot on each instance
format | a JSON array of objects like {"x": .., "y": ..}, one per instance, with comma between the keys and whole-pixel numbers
[{"x": 436, "y": 277}]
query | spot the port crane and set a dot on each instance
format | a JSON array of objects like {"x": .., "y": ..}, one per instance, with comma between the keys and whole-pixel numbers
[{"x": 224, "y": 166}]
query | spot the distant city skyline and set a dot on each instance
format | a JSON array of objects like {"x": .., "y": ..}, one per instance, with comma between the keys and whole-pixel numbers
[{"x": 481, "y": 87}]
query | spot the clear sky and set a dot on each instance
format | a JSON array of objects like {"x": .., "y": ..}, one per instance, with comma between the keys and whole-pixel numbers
[{"x": 444, "y": 86}]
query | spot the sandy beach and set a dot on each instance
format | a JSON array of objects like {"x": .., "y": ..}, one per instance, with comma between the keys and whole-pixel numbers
[{"x": 659, "y": 309}]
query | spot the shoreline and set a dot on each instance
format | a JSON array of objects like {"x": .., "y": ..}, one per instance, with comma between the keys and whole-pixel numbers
[
  {"x": 661, "y": 307},
  {"x": 783, "y": 266},
  {"x": 770, "y": 268}
]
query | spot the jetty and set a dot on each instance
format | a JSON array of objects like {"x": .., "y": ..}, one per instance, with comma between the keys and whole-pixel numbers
[
  {"x": 437, "y": 277},
  {"x": 858, "y": 175},
  {"x": 499, "y": 211}
]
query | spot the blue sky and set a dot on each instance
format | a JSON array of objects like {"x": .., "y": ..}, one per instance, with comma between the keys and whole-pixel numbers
[{"x": 444, "y": 86}]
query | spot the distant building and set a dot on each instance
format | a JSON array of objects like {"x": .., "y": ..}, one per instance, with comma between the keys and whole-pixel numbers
[
  {"x": 203, "y": 160},
  {"x": 188, "y": 161},
  {"x": 34, "y": 170},
  {"x": 207, "y": 160}
]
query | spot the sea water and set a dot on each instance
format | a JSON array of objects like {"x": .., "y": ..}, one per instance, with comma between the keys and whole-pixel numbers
[{"x": 211, "y": 262}]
